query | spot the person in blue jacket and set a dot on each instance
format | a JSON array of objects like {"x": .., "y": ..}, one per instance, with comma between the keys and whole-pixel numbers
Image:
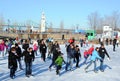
[{"x": 94, "y": 57}]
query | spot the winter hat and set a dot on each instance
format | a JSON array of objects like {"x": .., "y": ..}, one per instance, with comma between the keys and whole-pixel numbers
[
  {"x": 12, "y": 46},
  {"x": 77, "y": 46},
  {"x": 16, "y": 44}
]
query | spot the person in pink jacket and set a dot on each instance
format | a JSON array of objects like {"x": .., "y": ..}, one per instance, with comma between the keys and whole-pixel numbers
[
  {"x": 2, "y": 47},
  {"x": 35, "y": 48}
]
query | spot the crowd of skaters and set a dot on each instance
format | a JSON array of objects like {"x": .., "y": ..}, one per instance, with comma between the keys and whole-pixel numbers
[{"x": 28, "y": 53}]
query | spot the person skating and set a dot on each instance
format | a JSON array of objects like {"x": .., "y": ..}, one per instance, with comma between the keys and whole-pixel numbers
[
  {"x": 43, "y": 50},
  {"x": 25, "y": 46},
  {"x": 77, "y": 55},
  {"x": 12, "y": 62},
  {"x": 89, "y": 51},
  {"x": 85, "y": 56},
  {"x": 117, "y": 42},
  {"x": 56, "y": 53},
  {"x": 114, "y": 43},
  {"x": 58, "y": 63},
  {"x": 93, "y": 59},
  {"x": 70, "y": 57},
  {"x": 102, "y": 53},
  {"x": 19, "y": 53},
  {"x": 35, "y": 47},
  {"x": 28, "y": 58}
]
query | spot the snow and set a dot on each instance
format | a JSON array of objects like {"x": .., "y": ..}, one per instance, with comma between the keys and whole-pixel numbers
[{"x": 41, "y": 72}]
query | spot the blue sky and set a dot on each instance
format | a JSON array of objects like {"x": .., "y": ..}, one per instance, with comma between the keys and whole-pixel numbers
[{"x": 71, "y": 12}]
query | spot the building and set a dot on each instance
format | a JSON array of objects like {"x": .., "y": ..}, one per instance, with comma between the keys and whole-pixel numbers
[{"x": 43, "y": 21}]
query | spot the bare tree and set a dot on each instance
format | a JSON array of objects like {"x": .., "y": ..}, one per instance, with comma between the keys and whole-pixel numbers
[
  {"x": 93, "y": 20},
  {"x": 116, "y": 19},
  {"x": 113, "y": 20},
  {"x": 2, "y": 22}
]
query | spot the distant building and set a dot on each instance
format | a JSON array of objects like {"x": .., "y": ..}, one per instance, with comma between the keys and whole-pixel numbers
[
  {"x": 43, "y": 21},
  {"x": 107, "y": 32}
]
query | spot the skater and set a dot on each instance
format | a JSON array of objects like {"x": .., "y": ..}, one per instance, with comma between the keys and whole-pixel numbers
[
  {"x": 102, "y": 53},
  {"x": 85, "y": 56},
  {"x": 35, "y": 47},
  {"x": 114, "y": 43},
  {"x": 70, "y": 57},
  {"x": 90, "y": 50},
  {"x": 12, "y": 62},
  {"x": 81, "y": 42},
  {"x": 106, "y": 41},
  {"x": 77, "y": 55},
  {"x": 29, "y": 58},
  {"x": 117, "y": 42},
  {"x": 50, "y": 44},
  {"x": 43, "y": 50},
  {"x": 110, "y": 41},
  {"x": 56, "y": 53},
  {"x": 58, "y": 63},
  {"x": 2, "y": 47},
  {"x": 25, "y": 45},
  {"x": 19, "y": 53},
  {"x": 94, "y": 57}
]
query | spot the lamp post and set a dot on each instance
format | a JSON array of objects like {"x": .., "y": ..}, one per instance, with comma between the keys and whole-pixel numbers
[{"x": 8, "y": 25}]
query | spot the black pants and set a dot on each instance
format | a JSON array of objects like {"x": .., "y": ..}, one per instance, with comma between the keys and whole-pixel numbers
[
  {"x": 19, "y": 62},
  {"x": 58, "y": 67},
  {"x": 77, "y": 60},
  {"x": 28, "y": 68},
  {"x": 113, "y": 47},
  {"x": 12, "y": 71},
  {"x": 43, "y": 56}
]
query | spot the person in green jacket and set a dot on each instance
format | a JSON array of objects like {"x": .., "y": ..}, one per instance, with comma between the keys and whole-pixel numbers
[{"x": 59, "y": 62}]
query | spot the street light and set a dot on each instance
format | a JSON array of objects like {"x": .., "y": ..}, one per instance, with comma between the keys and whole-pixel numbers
[{"x": 8, "y": 25}]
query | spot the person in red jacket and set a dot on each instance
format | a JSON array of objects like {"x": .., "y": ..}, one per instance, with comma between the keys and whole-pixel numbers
[
  {"x": 85, "y": 56},
  {"x": 90, "y": 50}
]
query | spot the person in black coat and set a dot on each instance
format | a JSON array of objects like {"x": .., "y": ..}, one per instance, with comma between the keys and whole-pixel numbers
[
  {"x": 29, "y": 58},
  {"x": 19, "y": 53},
  {"x": 54, "y": 46},
  {"x": 43, "y": 50},
  {"x": 102, "y": 53},
  {"x": 70, "y": 56},
  {"x": 114, "y": 43},
  {"x": 56, "y": 53},
  {"x": 12, "y": 62},
  {"x": 25, "y": 45},
  {"x": 77, "y": 55}
]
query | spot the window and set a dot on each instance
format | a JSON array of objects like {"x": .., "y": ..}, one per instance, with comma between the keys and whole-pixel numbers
[{"x": 91, "y": 34}]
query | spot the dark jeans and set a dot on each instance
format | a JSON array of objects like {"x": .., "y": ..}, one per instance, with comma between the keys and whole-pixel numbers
[
  {"x": 12, "y": 71},
  {"x": 101, "y": 65},
  {"x": 53, "y": 63},
  {"x": 43, "y": 56},
  {"x": 19, "y": 62},
  {"x": 35, "y": 52},
  {"x": 85, "y": 59},
  {"x": 28, "y": 68},
  {"x": 113, "y": 47},
  {"x": 77, "y": 61},
  {"x": 91, "y": 64},
  {"x": 58, "y": 67},
  {"x": 69, "y": 63}
]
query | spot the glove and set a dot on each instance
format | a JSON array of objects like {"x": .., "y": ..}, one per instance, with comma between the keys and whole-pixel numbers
[
  {"x": 33, "y": 60},
  {"x": 10, "y": 67}
]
